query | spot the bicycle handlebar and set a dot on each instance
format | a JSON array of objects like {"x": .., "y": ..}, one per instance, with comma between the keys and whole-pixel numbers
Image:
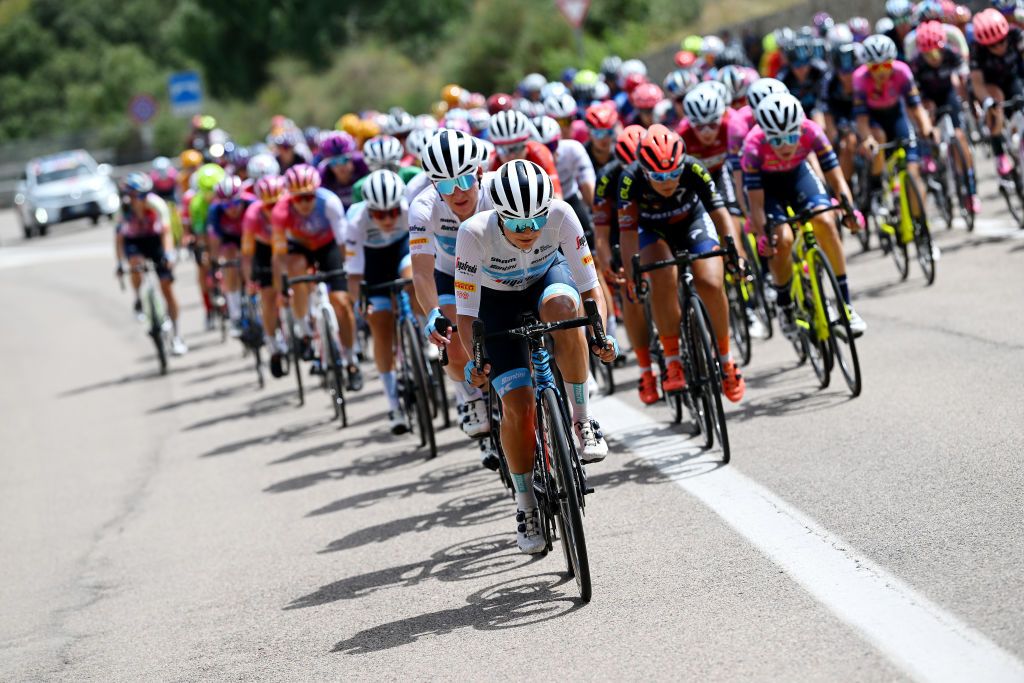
[
  {"x": 321, "y": 276},
  {"x": 681, "y": 258},
  {"x": 392, "y": 286},
  {"x": 804, "y": 216}
]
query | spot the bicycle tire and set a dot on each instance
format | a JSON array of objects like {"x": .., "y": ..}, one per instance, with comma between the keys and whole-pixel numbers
[
  {"x": 440, "y": 393},
  {"x": 709, "y": 379},
  {"x": 336, "y": 371},
  {"x": 156, "y": 332},
  {"x": 922, "y": 239},
  {"x": 295, "y": 352},
  {"x": 898, "y": 248},
  {"x": 602, "y": 374},
  {"x": 941, "y": 194},
  {"x": 739, "y": 325},
  {"x": 413, "y": 351},
  {"x": 763, "y": 308},
  {"x": 840, "y": 333},
  {"x": 569, "y": 495},
  {"x": 817, "y": 350},
  {"x": 863, "y": 199},
  {"x": 956, "y": 153}
]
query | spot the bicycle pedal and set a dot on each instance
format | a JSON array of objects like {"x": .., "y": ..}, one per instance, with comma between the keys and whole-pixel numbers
[{"x": 588, "y": 490}]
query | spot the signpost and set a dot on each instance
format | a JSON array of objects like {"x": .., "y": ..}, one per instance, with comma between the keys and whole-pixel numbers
[
  {"x": 186, "y": 93},
  {"x": 575, "y": 11},
  {"x": 142, "y": 109}
]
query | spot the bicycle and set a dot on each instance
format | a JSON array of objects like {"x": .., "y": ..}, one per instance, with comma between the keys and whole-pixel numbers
[
  {"x": 1011, "y": 185},
  {"x": 560, "y": 480},
  {"x": 218, "y": 302},
  {"x": 414, "y": 381},
  {"x": 326, "y": 333},
  {"x": 739, "y": 293},
  {"x": 158, "y": 322},
  {"x": 758, "y": 286},
  {"x": 698, "y": 349},
  {"x": 949, "y": 181},
  {"x": 898, "y": 230},
  {"x": 822, "y": 321}
]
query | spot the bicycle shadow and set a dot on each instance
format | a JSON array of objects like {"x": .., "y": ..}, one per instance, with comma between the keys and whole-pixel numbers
[
  {"x": 473, "y": 559},
  {"x": 282, "y": 435},
  {"x": 247, "y": 368},
  {"x": 804, "y": 400},
  {"x": 142, "y": 376},
  {"x": 215, "y": 395},
  {"x": 515, "y": 603},
  {"x": 262, "y": 406},
  {"x": 362, "y": 466}
]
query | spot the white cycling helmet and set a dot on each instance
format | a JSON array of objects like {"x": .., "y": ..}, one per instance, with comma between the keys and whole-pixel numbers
[
  {"x": 509, "y": 127},
  {"x": 734, "y": 79},
  {"x": 632, "y": 66},
  {"x": 426, "y": 122},
  {"x": 704, "y": 105},
  {"x": 553, "y": 89},
  {"x": 763, "y": 87},
  {"x": 382, "y": 190},
  {"x": 712, "y": 45},
  {"x": 561, "y": 106},
  {"x": 399, "y": 123},
  {"x": 478, "y": 119},
  {"x": 381, "y": 151},
  {"x": 262, "y": 165},
  {"x": 483, "y": 150},
  {"x": 878, "y": 49},
  {"x": 780, "y": 114},
  {"x": 521, "y": 189},
  {"x": 899, "y": 9},
  {"x": 547, "y": 130},
  {"x": 884, "y": 25},
  {"x": 417, "y": 140},
  {"x": 724, "y": 91},
  {"x": 450, "y": 154},
  {"x": 532, "y": 83}
]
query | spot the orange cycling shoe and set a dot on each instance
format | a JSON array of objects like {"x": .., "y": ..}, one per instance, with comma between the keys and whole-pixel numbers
[
  {"x": 733, "y": 384},
  {"x": 648, "y": 388},
  {"x": 674, "y": 379}
]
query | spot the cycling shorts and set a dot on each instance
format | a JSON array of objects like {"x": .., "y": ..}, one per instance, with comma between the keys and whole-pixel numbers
[
  {"x": 894, "y": 124},
  {"x": 262, "y": 273},
  {"x": 697, "y": 236},
  {"x": 499, "y": 310},
  {"x": 798, "y": 189},
  {"x": 946, "y": 98},
  {"x": 445, "y": 285},
  {"x": 150, "y": 247},
  {"x": 324, "y": 259},
  {"x": 227, "y": 238},
  {"x": 385, "y": 264},
  {"x": 723, "y": 179}
]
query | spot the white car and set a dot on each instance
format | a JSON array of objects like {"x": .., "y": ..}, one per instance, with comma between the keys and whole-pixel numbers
[{"x": 64, "y": 187}]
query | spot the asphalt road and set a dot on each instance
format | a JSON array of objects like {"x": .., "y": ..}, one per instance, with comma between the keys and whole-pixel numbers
[{"x": 194, "y": 527}]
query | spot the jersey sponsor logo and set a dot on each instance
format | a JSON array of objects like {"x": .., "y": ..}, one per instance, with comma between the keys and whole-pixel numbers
[
  {"x": 624, "y": 185},
  {"x": 701, "y": 172},
  {"x": 462, "y": 295},
  {"x": 543, "y": 248},
  {"x": 588, "y": 260},
  {"x": 580, "y": 241},
  {"x": 503, "y": 269},
  {"x": 495, "y": 259},
  {"x": 418, "y": 241},
  {"x": 511, "y": 283},
  {"x": 463, "y": 286},
  {"x": 417, "y": 228},
  {"x": 349, "y": 253},
  {"x": 464, "y": 267}
]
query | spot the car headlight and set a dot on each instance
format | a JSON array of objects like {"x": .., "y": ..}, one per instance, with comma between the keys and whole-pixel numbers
[
  {"x": 113, "y": 202},
  {"x": 19, "y": 199},
  {"x": 41, "y": 216}
]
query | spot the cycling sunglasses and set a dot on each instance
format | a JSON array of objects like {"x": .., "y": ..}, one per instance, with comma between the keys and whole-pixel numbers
[
  {"x": 884, "y": 66},
  {"x": 463, "y": 182},
  {"x": 780, "y": 140},
  {"x": 509, "y": 150},
  {"x": 339, "y": 160},
  {"x": 525, "y": 224},
  {"x": 602, "y": 133},
  {"x": 382, "y": 214},
  {"x": 708, "y": 126},
  {"x": 564, "y": 121},
  {"x": 662, "y": 176},
  {"x": 305, "y": 197}
]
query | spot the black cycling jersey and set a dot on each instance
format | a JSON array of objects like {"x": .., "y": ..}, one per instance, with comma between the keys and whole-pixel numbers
[
  {"x": 589, "y": 146},
  {"x": 1004, "y": 69},
  {"x": 835, "y": 101},
  {"x": 639, "y": 206},
  {"x": 934, "y": 82},
  {"x": 809, "y": 89}
]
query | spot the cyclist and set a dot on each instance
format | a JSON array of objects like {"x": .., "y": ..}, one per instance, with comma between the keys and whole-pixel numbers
[
  {"x": 880, "y": 89},
  {"x": 454, "y": 167},
  {"x": 997, "y": 74},
  {"x": 384, "y": 152},
  {"x": 668, "y": 202},
  {"x": 837, "y": 104},
  {"x": 575, "y": 170},
  {"x": 341, "y": 165},
  {"x": 602, "y": 121},
  {"x": 676, "y": 85},
  {"x": 165, "y": 178},
  {"x": 377, "y": 251},
  {"x": 938, "y": 70},
  {"x": 737, "y": 79},
  {"x": 528, "y": 255},
  {"x": 309, "y": 230},
  {"x": 510, "y": 131},
  {"x": 644, "y": 98},
  {"x": 258, "y": 262},
  {"x": 261, "y": 165},
  {"x": 206, "y": 179},
  {"x": 414, "y": 144},
  {"x": 776, "y": 175},
  {"x": 803, "y": 76},
  {"x": 901, "y": 12},
  {"x": 144, "y": 233},
  {"x": 740, "y": 123},
  {"x": 224, "y": 229},
  {"x": 286, "y": 150}
]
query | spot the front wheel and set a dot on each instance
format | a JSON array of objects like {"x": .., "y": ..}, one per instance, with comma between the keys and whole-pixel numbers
[
  {"x": 841, "y": 339},
  {"x": 706, "y": 376},
  {"x": 295, "y": 352},
  {"x": 739, "y": 324},
  {"x": 922, "y": 235},
  {"x": 334, "y": 371},
  {"x": 413, "y": 352}
]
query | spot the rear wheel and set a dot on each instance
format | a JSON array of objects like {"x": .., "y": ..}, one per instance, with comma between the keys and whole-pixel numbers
[
  {"x": 295, "y": 352},
  {"x": 956, "y": 161},
  {"x": 334, "y": 371},
  {"x": 739, "y": 325},
  {"x": 818, "y": 350},
  {"x": 922, "y": 236},
  {"x": 439, "y": 394},
  {"x": 707, "y": 377},
  {"x": 418, "y": 374},
  {"x": 763, "y": 308},
  {"x": 156, "y": 331},
  {"x": 841, "y": 340}
]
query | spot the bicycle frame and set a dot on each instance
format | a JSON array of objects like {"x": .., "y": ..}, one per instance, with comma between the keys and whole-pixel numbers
[
  {"x": 803, "y": 255},
  {"x": 895, "y": 171}
]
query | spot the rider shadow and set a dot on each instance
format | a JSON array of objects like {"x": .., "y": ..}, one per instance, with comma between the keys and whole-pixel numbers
[
  {"x": 810, "y": 400},
  {"x": 143, "y": 376},
  {"x": 302, "y": 430},
  {"x": 515, "y": 603},
  {"x": 219, "y": 375},
  {"x": 469, "y": 510},
  {"x": 473, "y": 559},
  {"x": 262, "y": 406},
  {"x": 362, "y": 466},
  {"x": 215, "y": 395},
  {"x": 454, "y": 477}
]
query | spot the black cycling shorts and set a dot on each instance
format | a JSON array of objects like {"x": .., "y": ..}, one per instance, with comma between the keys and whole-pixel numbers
[
  {"x": 150, "y": 247},
  {"x": 326, "y": 258},
  {"x": 262, "y": 272}
]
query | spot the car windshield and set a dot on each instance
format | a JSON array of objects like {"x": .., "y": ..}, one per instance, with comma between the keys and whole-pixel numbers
[{"x": 50, "y": 176}]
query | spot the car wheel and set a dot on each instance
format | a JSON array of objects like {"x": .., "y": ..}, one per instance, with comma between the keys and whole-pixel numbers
[
  {"x": 27, "y": 229},
  {"x": 44, "y": 230},
  {"x": 95, "y": 220}
]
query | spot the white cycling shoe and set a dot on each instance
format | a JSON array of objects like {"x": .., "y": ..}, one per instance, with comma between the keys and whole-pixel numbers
[
  {"x": 178, "y": 346},
  {"x": 857, "y": 324},
  {"x": 593, "y": 447},
  {"x": 528, "y": 533},
  {"x": 756, "y": 327},
  {"x": 473, "y": 418},
  {"x": 398, "y": 421}
]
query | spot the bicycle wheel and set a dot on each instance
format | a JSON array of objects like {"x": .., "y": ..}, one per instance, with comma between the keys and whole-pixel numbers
[
  {"x": 439, "y": 395},
  {"x": 863, "y": 200},
  {"x": 156, "y": 331},
  {"x": 897, "y": 247},
  {"x": 334, "y": 371},
  {"x": 569, "y": 494},
  {"x": 957, "y": 159},
  {"x": 739, "y": 325},
  {"x": 841, "y": 337},
  {"x": 413, "y": 352},
  {"x": 922, "y": 237},
  {"x": 602, "y": 374},
  {"x": 817, "y": 350},
  {"x": 295, "y": 352},
  {"x": 764, "y": 309},
  {"x": 708, "y": 378}
]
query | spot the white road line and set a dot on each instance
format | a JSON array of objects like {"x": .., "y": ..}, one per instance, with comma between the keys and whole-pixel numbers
[
  {"x": 925, "y": 640},
  {"x": 28, "y": 256}
]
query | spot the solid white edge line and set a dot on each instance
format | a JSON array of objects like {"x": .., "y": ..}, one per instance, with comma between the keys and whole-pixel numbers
[{"x": 917, "y": 635}]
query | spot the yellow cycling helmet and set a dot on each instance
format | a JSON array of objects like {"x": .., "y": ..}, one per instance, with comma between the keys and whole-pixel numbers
[
  {"x": 451, "y": 94},
  {"x": 692, "y": 44},
  {"x": 191, "y": 159},
  {"x": 348, "y": 123}
]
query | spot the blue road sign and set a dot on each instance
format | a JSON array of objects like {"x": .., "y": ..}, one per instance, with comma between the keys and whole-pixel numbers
[
  {"x": 186, "y": 92},
  {"x": 142, "y": 108}
]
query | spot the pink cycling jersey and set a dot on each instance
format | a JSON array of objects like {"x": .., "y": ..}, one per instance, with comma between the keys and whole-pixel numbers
[
  {"x": 869, "y": 95},
  {"x": 760, "y": 157},
  {"x": 153, "y": 220},
  {"x": 257, "y": 223},
  {"x": 740, "y": 122}
]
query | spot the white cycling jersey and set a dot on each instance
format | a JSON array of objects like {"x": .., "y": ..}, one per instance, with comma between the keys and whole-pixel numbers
[
  {"x": 364, "y": 233},
  {"x": 415, "y": 186},
  {"x": 574, "y": 167},
  {"x": 486, "y": 258},
  {"x": 433, "y": 226}
]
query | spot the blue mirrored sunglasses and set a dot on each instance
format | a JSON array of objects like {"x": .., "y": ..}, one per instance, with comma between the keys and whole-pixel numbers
[
  {"x": 463, "y": 182},
  {"x": 662, "y": 176},
  {"x": 601, "y": 133},
  {"x": 780, "y": 140},
  {"x": 525, "y": 224},
  {"x": 339, "y": 160}
]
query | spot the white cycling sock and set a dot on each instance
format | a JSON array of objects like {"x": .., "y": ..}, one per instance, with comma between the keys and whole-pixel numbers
[
  {"x": 305, "y": 329},
  {"x": 348, "y": 355},
  {"x": 234, "y": 305},
  {"x": 523, "y": 483},
  {"x": 579, "y": 400},
  {"x": 390, "y": 388},
  {"x": 464, "y": 393}
]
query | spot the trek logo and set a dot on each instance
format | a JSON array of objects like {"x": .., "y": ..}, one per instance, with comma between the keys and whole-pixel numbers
[{"x": 464, "y": 267}]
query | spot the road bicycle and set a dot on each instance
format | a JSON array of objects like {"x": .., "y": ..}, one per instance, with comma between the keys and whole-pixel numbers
[
  {"x": 250, "y": 323},
  {"x": 218, "y": 301},
  {"x": 326, "y": 341},
  {"x": 1011, "y": 185},
  {"x": 559, "y": 479},
  {"x": 158, "y": 323},
  {"x": 948, "y": 183}
]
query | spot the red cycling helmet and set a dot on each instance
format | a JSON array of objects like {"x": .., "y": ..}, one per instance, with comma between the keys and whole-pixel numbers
[
  {"x": 302, "y": 179},
  {"x": 685, "y": 59},
  {"x": 628, "y": 141},
  {"x": 498, "y": 102},
  {"x": 632, "y": 81},
  {"x": 661, "y": 150},
  {"x": 990, "y": 26},
  {"x": 269, "y": 189},
  {"x": 931, "y": 36},
  {"x": 603, "y": 115},
  {"x": 646, "y": 96}
]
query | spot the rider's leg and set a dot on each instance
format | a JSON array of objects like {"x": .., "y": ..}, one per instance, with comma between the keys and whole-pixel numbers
[
  {"x": 232, "y": 281},
  {"x": 297, "y": 265}
]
